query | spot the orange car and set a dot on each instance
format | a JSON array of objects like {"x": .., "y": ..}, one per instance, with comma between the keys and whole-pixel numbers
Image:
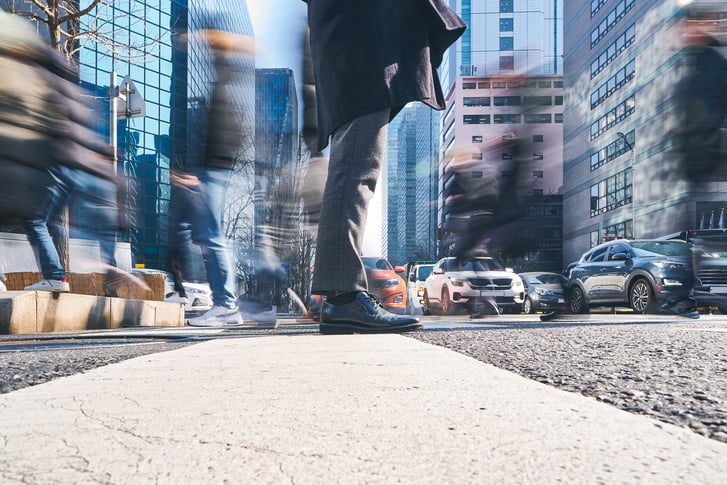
[{"x": 386, "y": 284}]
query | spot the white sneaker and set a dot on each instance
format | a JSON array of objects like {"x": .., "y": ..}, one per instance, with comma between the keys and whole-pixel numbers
[
  {"x": 217, "y": 316},
  {"x": 56, "y": 286},
  {"x": 2, "y": 286}
]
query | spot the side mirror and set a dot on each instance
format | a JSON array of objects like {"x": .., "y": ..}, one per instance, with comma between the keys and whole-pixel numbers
[
  {"x": 413, "y": 278},
  {"x": 620, "y": 257},
  {"x": 399, "y": 269},
  {"x": 438, "y": 271}
]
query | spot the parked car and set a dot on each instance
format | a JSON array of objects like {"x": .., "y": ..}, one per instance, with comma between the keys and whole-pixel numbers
[
  {"x": 544, "y": 292},
  {"x": 642, "y": 274},
  {"x": 386, "y": 284},
  {"x": 710, "y": 264},
  {"x": 199, "y": 295},
  {"x": 455, "y": 286},
  {"x": 416, "y": 275}
]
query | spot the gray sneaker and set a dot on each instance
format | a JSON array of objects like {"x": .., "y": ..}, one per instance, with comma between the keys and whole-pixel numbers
[{"x": 218, "y": 316}]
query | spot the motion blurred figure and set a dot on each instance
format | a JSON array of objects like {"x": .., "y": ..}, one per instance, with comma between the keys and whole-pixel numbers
[
  {"x": 702, "y": 96},
  {"x": 52, "y": 155},
  {"x": 206, "y": 189}
]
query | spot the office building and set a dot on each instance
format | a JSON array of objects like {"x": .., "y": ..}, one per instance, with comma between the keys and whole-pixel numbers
[
  {"x": 503, "y": 79},
  {"x": 623, "y": 175}
]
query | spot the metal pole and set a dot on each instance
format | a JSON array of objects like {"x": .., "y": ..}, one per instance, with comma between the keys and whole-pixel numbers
[
  {"x": 113, "y": 95},
  {"x": 633, "y": 180}
]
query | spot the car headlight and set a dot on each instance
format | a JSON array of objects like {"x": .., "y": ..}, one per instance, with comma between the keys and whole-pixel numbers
[
  {"x": 670, "y": 265},
  {"x": 389, "y": 283},
  {"x": 457, "y": 282},
  {"x": 670, "y": 282},
  {"x": 517, "y": 284}
]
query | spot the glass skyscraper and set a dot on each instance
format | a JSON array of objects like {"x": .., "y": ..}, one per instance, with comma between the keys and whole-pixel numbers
[{"x": 155, "y": 43}]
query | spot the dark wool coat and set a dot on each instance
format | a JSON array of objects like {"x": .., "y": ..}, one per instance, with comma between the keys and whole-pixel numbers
[{"x": 370, "y": 55}]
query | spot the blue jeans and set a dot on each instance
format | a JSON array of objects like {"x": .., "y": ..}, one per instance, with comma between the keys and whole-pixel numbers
[
  {"x": 205, "y": 217},
  {"x": 96, "y": 201}
]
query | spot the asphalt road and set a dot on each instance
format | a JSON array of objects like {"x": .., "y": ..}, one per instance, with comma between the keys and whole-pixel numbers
[{"x": 672, "y": 369}]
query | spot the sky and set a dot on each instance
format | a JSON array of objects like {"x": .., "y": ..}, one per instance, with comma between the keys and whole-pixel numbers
[{"x": 278, "y": 26}]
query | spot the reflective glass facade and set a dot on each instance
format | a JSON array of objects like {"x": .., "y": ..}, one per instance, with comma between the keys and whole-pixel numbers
[{"x": 172, "y": 73}]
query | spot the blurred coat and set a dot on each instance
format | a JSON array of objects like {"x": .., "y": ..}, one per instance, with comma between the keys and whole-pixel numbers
[{"x": 377, "y": 54}]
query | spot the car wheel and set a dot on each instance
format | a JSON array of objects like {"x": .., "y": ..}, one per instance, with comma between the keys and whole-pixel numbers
[
  {"x": 446, "y": 302},
  {"x": 578, "y": 300},
  {"x": 428, "y": 307},
  {"x": 528, "y": 305},
  {"x": 641, "y": 297}
]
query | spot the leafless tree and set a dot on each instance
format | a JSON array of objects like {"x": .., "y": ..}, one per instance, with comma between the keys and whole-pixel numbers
[{"x": 70, "y": 27}]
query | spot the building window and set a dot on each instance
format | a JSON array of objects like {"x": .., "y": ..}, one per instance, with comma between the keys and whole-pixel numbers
[
  {"x": 506, "y": 6},
  {"x": 506, "y": 25},
  {"x": 477, "y": 139},
  {"x": 538, "y": 100},
  {"x": 469, "y": 85},
  {"x": 538, "y": 118},
  {"x": 506, "y": 101},
  {"x": 477, "y": 156},
  {"x": 613, "y": 150},
  {"x": 545, "y": 84},
  {"x": 557, "y": 84},
  {"x": 538, "y": 174},
  {"x": 506, "y": 156},
  {"x": 596, "y": 6},
  {"x": 476, "y": 119},
  {"x": 610, "y": 21},
  {"x": 499, "y": 85},
  {"x": 613, "y": 50},
  {"x": 538, "y": 138},
  {"x": 538, "y": 192},
  {"x": 506, "y": 43},
  {"x": 537, "y": 156},
  {"x": 506, "y": 119},
  {"x": 483, "y": 85},
  {"x": 507, "y": 63},
  {"x": 558, "y": 117},
  {"x": 479, "y": 101},
  {"x": 611, "y": 193},
  {"x": 614, "y": 83},
  {"x": 477, "y": 174},
  {"x": 613, "y": 117},
  {"x": 558, "y": 100}
]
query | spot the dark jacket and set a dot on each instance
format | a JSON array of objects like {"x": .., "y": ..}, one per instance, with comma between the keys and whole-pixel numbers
[{"x": 370, "y": 55}]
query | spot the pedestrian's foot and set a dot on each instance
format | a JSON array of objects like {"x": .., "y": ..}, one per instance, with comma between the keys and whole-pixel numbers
[
  {"x": 175, "y": 297},
  {"x": 55, "y": 286},
  {"x": 364, "y": 314},
  {"x": 218, "y": 316},
  {"x": 257, "y": 313}
]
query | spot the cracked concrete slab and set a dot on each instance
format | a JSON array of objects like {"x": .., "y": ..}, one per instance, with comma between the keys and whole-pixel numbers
[{"x": 332, "y": 409}]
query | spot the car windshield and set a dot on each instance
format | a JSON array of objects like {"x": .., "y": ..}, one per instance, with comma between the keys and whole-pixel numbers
[
  {"x": 476, "y": 264},
  {"x": 546, "y": 279},
  {"x": 376, "y": 263},
  {"x": 651, "y": 249},
  {"x": 424, "y": 272}
]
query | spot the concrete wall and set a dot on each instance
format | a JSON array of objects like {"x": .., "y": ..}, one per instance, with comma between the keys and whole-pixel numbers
[{"x": 17, "y": 255}]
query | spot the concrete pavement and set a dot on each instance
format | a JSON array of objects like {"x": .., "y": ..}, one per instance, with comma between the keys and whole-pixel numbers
[{"x": 314, "y": 409}]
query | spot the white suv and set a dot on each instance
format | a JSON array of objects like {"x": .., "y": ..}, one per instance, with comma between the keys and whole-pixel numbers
[{"x": 476, "y": 281}]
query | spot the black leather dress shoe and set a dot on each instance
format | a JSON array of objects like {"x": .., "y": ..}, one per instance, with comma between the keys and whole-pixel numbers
[{"x": 364, "y": 315}]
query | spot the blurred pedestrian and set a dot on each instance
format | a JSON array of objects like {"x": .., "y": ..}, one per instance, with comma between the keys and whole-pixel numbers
[
  {"x": 369, "y": 59},
  {"x": 51, "y": 151},
  {"x": 702, "y": 96},
  {"x": 209, "y": 185}
]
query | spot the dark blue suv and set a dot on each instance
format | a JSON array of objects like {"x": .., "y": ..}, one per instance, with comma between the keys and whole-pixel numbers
[{"x": 643, "y": 274}]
